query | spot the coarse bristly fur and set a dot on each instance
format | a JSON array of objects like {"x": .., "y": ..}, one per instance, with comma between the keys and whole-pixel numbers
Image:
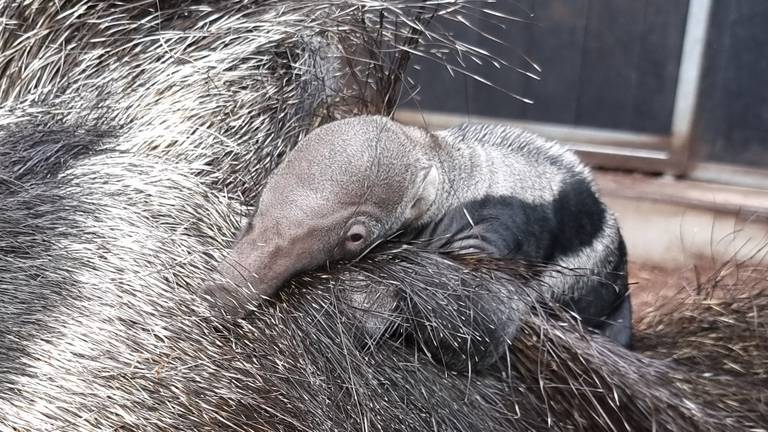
[{"x": 132, "y": 136}]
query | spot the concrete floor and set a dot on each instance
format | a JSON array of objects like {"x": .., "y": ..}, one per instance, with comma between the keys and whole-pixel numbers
[
  {"x": 673, "y": 223},
  {"x": 679, "y": 231}
]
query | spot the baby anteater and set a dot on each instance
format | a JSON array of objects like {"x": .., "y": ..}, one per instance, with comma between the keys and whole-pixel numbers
[{"x": 482, "y": 189}]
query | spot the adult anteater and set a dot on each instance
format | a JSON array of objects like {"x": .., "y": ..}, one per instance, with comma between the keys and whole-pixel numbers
[{"x": 134, "y": 135}]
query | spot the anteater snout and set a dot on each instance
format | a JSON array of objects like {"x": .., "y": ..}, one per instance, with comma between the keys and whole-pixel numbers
[{"x": 225, "y": 298}]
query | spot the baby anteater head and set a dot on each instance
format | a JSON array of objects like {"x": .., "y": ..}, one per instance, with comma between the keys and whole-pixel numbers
[{"x": 345, "y": 187}]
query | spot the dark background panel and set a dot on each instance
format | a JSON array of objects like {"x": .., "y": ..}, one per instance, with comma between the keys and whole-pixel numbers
[
  {"x": 610, "y": 64},
  {"x": 610, "y": 59},
  {"x": 732, "y": 122},
  {"x": 658, "y": 63},
  {"x": 439, "y": 90},
  {"x": 556, "y": 47},
  {"x": 516, "y": 36},
  {"x": 434, "y": 87}
]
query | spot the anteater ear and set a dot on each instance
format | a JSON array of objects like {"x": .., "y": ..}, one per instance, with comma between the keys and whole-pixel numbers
[{"x": 427, "y": 182}]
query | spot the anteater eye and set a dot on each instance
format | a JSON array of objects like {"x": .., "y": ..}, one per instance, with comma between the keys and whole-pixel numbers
[{"x": 356, "y": 234}]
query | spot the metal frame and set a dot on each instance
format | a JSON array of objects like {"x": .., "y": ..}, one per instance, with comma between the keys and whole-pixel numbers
[
  {"x": 689, "y": 79},
  {"x": 728, "y": 174},
  {"x": 621, "y": 149}
]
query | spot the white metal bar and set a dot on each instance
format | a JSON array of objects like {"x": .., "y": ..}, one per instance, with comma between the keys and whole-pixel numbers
[
  {"x": 623, "y": 140},
  {"x": 613, "y": 150},
  {"x": 737, "y": 175},
  {"x": 689, "y": 75}
]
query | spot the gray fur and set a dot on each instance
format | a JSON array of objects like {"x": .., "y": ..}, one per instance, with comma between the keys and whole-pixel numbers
[{"x": 498, "y": 160}]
